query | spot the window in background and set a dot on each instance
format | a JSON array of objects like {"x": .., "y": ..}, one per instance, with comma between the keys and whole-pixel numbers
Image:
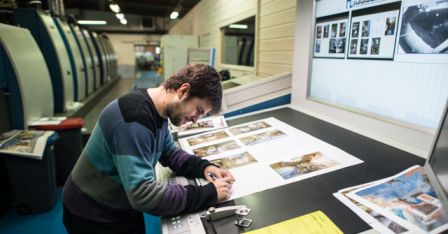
[{"x": 239, "y": 43}]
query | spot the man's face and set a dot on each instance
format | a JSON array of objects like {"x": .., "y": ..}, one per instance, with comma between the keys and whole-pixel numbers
[{"x": 187, "y": 110}]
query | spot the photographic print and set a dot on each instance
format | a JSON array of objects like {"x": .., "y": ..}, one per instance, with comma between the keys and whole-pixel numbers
[
  {"x": 365, "y": 28},
  {"x": 216, "y": 148},
  {"x": 262, "y": 137},
  {"x": 386, "y": 222},
  {"x": 390, "y": 26},
  {"x": 196, "y": 140},
  {"x": 319, "y": 32},
  {"x": 326, "y": 30},
  {"x": 249, "y": 128},
  {"x": 197, "y": 125},
  {"x": 342, "y": 29},
  {"x": 334, "y": 30},
  {"x": 364, "y": 47},
  {"x": 354, "y": 46},
  {"x": 332, "y": 48},
  {"x": 340, "y": 48},
  {"x": 402, "y": 196},
  {"x": 234, "y": 161},
  {"x": 423, "y": 29},
  {"x": 375, "y": 48},
  {"x": 355, "y": 29},
  {"x": 302, "y": 165},
  {"x": 317, "y": 46}
]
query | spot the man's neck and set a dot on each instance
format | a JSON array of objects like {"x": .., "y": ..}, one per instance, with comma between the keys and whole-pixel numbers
[{"x": 160, "y": 98}]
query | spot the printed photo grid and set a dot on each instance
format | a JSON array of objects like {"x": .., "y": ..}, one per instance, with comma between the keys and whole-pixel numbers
[
  {"x": 330, "y": 39},
  {"x": 373, "y": 36},
  {"x": 268, "y": 149}
]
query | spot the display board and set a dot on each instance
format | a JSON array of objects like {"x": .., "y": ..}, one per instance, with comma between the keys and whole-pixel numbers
[{"x": 372, "y": 34}]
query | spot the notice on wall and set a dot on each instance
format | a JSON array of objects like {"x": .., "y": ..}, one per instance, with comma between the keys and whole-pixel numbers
[
  {"x": 373, "y": 35},
  {"x": 423, "y": 34},
  {"x": 330, "y": 39}
]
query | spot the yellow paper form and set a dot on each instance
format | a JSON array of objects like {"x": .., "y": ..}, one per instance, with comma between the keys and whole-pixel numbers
[{"x": 316, "y": 222}]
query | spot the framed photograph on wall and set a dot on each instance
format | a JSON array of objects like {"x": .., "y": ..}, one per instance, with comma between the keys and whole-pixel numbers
[
  {"x": 373, "y": 35},
  {"x": 423, "y": 34},
  {"x": 330, "y": 39}
]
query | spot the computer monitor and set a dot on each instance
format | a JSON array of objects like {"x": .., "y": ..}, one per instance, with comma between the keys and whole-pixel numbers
[
  {"x": 437, "y": 162},
  {"x": 201, "y": 56}
]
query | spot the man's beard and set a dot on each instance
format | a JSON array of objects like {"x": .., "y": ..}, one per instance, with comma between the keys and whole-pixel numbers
[{"x": 174, "y": 114}]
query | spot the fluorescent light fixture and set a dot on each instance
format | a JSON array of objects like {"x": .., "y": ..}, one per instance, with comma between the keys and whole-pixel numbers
[
  {"x": 174, "y": 15},
  {"x": 240, "y": 26},
  {"x": 157, "y": 50},
  {"x": 124, "y": 21},
  {"x": 92, "y": 22},
  {"x": 114, "y": 7},
  {"x": 120, "y": 16}
]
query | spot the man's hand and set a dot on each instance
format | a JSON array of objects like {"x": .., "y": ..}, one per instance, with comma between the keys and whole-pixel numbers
[
  {"x": 222, "y": 179},
  {"x": 223, "y": 187},
  {"x": 212, "y": 173}
]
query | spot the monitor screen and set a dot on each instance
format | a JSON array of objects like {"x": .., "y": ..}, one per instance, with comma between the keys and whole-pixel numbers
[{"x": 437, "y": 162}]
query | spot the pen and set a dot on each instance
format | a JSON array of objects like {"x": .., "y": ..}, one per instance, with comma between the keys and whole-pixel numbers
[{"x": 213, "y": 176}]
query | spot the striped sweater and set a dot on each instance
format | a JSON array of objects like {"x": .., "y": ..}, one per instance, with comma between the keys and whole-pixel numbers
[{"x": 114, "y": 178}]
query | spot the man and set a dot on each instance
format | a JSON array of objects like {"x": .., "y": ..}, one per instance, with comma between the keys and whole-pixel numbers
[{"x": 113, "y": 181}]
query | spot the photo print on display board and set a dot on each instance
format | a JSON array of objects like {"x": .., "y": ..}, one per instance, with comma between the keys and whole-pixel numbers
[
  {"x": 319, "y": 32},
  {"x": 365, "y": 28},
  {"x": 334, "y": 30},
  {"x": 326, "y": 30},
  {"x": 354, "y": 46},
  {"x": 364, "y": 47},
  {"x": 390, "y": 26},
  {"x": 317, "y": 46},
  {"x": 375, "y": 48},
  {"x": 355, "y": 29},
  {"x": 423, "y": 35},
  {"x": 340, "y": 48},
  {"x": 332, "y": 48},
  {"x": 342, "y": 28}
]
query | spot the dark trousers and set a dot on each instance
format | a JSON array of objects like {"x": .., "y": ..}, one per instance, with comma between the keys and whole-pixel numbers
[{"x": 78, "y": 225}]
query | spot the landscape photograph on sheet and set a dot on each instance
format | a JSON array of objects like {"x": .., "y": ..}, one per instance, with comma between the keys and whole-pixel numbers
[
  {"x": 207, "y": 137},
  {"x": 384, "y": 221},
  {"x": 249, "y": 127},
  {"x": 216, "y": 148},
  {"x": 302, "y": 165},
  {"x": 262, "y": 137},
  {"x": 233, "y": 161},
  {"x": 408, "y": 196}
]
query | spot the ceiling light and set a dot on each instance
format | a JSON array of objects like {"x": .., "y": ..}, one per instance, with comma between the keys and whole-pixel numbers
[
  {"x": 124, "y": 21},
  {"x": 120, "y": 16},
  {"x": 174, "y": 15},
  {"x": 92, "y": 22},
  {"x": 240, "y": 26},
  {"x": 114, "y": 7}
]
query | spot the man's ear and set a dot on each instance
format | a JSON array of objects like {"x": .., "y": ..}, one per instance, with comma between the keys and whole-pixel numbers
[{"x": 182, "y": 91}]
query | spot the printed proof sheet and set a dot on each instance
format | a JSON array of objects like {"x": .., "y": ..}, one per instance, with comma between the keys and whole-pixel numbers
[
  {"x": 404, "y": 203},
  {"x": 267, "y": 153}
]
